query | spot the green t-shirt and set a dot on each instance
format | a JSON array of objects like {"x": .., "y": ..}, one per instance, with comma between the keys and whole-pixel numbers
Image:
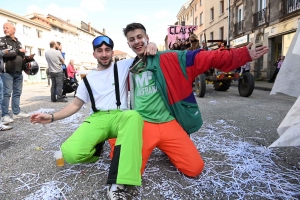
[{"x": 147, "y": 99}]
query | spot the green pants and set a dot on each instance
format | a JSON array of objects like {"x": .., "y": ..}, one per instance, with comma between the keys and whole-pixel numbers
[{"x": 126, "y": 127}]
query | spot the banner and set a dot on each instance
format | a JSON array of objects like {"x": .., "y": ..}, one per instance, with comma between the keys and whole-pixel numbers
[{"x": 179, "y": 32}]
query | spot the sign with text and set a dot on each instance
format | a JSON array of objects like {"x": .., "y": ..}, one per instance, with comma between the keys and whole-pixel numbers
[{"x": 179, "y": 32}]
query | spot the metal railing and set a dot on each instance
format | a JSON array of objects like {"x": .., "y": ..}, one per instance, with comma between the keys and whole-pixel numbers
[
  {"x": 289, "y": 6},
  {"x": 238, "y": 27},
  {"x": 260, "y": 18}
]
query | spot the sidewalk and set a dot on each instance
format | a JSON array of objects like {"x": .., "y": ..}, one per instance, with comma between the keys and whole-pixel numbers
[{"x": 259, "y": 85}]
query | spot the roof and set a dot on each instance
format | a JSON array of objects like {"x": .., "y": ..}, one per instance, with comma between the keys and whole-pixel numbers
[
  {"x": 117, "y": 52},
  {"x": 24, "y": 19},
  {"x": 184, "y": 7}
]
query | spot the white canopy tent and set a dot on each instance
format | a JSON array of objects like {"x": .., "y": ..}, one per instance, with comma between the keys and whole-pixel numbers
[{"x": 287, "y": 82}]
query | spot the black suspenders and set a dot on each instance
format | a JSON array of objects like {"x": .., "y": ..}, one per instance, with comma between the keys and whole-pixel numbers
[{"x": 117, "y": 90}]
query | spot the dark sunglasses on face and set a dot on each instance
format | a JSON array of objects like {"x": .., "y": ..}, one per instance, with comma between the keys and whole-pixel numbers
[{"x": 98, "y": 41}]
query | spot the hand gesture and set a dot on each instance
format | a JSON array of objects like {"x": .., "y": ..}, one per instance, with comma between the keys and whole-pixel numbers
[
  {"x": 151, "y": 49},
  {"x": 41, "y": 118},
  {"x": 257, "y": 52}
]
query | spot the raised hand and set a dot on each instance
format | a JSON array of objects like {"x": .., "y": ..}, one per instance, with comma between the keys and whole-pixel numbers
[{"x": 257, "y": 52}]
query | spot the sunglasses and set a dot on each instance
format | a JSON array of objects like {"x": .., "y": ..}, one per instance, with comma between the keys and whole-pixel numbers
[
  {"x": 98, "y": 41},
  {"x": 139, "y": 66}
]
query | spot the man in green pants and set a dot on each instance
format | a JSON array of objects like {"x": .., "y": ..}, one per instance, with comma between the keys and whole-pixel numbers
[{"x": 107, "y": 121}]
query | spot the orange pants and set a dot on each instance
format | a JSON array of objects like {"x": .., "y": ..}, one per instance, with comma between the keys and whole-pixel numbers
[{"x": 170, "y": 138}]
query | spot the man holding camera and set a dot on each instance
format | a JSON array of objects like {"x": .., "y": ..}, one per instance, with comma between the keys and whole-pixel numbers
[{"x": 12, "y": 73}]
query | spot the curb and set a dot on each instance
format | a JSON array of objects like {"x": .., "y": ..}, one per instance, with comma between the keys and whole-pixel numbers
[{"x": 257, "y": 87}]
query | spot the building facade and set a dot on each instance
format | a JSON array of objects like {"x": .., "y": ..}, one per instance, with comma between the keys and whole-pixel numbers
[
  {"x": 34, "y": 37},
  {"x": 271, "y": 23},
  {"x": 35, "y": 31},
  {"x": 210, "y": 17}
]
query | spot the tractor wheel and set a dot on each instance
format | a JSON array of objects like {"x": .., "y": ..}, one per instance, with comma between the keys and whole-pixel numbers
[
  {"x": 246, "y": 85},
  {"x": 222, "y": 85},
  {"x": 200, "y": 85}
]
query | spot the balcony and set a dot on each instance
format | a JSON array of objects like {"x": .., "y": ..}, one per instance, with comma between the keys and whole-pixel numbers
[
  {"x": 238, "y": 28},
  {"x": 259, "y": 18},
  {"x": 289, "y": 7}
]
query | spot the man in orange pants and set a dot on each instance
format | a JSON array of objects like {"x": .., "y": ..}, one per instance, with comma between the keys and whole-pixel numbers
[{"x": 161, "y": 92}]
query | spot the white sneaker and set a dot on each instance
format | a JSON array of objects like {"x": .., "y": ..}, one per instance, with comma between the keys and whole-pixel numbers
[
  {"x": 116, "y": 192},
  {"x": 7, "y": 119},
  {"x": 4, "y": 128},
  {"x": 20, "y": 115},
  {"x": 4, "y": 123}
]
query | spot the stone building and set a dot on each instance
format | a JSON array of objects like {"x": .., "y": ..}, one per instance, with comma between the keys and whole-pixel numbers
[
  {"x": 35, "y": 31},
  {"x": 271, "y": 23}
]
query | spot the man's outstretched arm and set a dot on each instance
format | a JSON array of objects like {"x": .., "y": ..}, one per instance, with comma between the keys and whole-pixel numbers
[
  {"x": 69, "y": 110},
  {"x": 225, "y": 60}
]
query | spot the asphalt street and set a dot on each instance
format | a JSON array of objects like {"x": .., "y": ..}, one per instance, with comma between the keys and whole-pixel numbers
[{"x": 233, "y": 142}]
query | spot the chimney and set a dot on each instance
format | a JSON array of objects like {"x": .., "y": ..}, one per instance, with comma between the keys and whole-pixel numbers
[
  {"x": 89, "y": 27},
  {"x": 103, "y": 31}
]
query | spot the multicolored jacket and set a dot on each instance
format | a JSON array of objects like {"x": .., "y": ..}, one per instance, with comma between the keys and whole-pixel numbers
[{"x": 174, "y": 73}]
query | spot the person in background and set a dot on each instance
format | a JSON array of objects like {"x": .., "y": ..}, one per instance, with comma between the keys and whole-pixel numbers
[
  {"x": 194, "y": 42},
  {"x": 71, "y": 70},
  {"x": 204, "y": 45},
  {"x": 277, "y": 64},
  {"x": 12, "y": 77},
  {"x": 63, "y": 54},
  {"x": 175, "y": 46},
  {"x": 55, "y": 60},
  {"x": 3, "y": 51},
  {"x": 246, "y": 67},
  {"x": 48, "y": 76}
]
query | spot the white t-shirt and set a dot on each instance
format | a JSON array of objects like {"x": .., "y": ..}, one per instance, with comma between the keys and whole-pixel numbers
[{"x": 102, "y": 84}]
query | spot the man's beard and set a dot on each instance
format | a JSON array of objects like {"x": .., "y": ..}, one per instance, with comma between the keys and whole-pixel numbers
[{"x": 105, "y": 65}]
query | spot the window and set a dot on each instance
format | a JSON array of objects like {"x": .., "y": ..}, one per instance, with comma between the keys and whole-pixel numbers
[
  {"x": 57, "y": 29},
  {"x": 196, "y": 21},
  {"x": 211, "y": 36},
  {"x": 187, "y": 17},
  {"x": 201, "y": 18},
  {"x": 195, "y": 7},
  {"x": 40, "y": 52},
  {"x": 200, "y": 2},
  {"x": 221, "y": 7},
  {"x": 201, "y": 37},
  {"x": 39, "y": 33},
  {"x": 212, "y": 14},
  {"x": 26, "y": 30},
  {"x": 221, "y": 31},
  {"x": 293, "y": 5},
  {"x": 191, "y": 13},
  {"x": 28, "y": 50},
  {"x": 261, "y": 4},
  {"x": 240, "y": 13}
]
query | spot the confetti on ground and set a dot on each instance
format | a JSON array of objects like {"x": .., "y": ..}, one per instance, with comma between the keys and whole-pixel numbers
[{"x": 235, "y": 168}]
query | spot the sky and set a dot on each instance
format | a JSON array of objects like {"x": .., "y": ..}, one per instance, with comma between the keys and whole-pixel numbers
[{"x": 112, "y": 15}]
